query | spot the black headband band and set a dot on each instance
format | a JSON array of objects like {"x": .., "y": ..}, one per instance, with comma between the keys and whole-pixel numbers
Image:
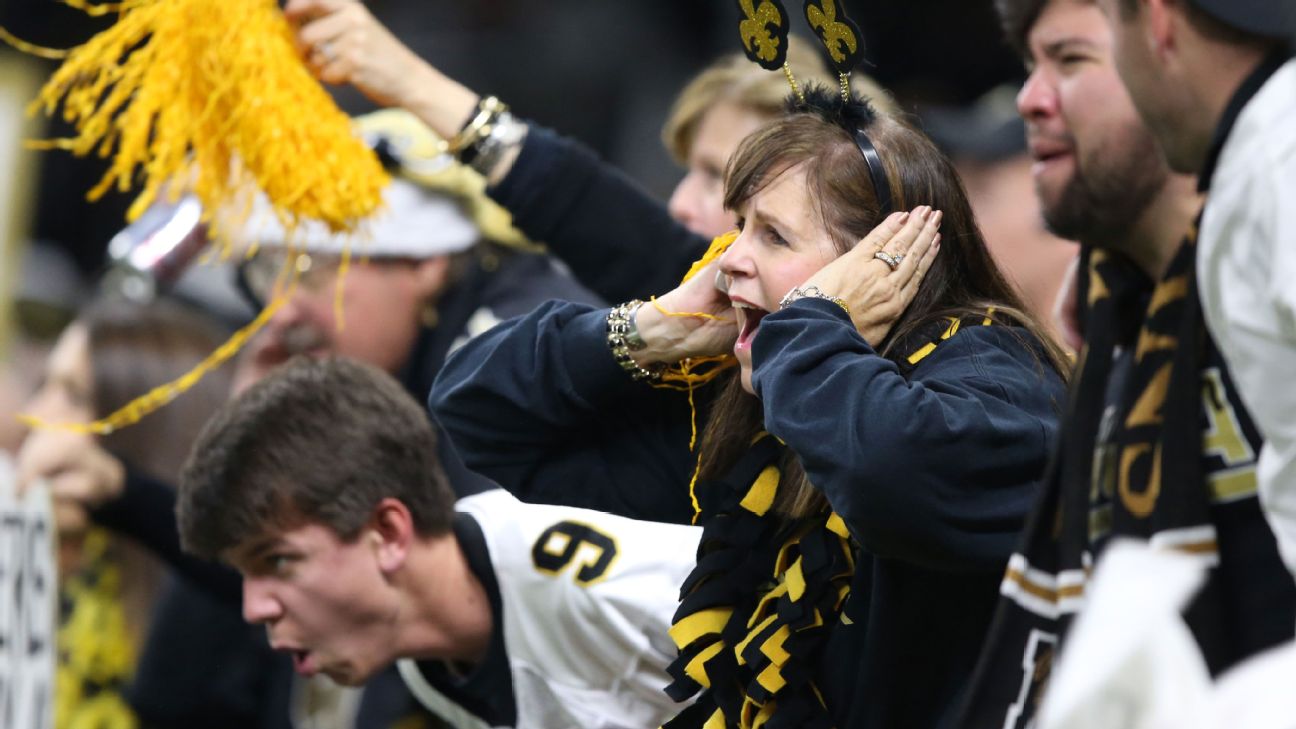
[{"x": 877, "y": 173}]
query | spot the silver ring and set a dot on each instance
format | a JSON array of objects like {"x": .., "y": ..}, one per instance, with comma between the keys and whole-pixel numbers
[
  {"x": 721, "y": 282},
  {"x": 325, "y": 49},
  {"x": 888, "y": 259}
]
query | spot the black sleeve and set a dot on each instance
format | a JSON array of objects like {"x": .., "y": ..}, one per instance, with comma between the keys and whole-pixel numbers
[
  {"x": 937, "y": 468},
  {"x": 539, "y": 405},
  {"x": 145, "y": 512},
  {"x": 616, "y": 238}
]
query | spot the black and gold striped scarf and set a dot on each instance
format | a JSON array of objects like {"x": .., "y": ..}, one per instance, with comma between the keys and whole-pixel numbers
[
  {"x": 756, "y": 611},
  {"x": 1146, "y": 480},
  {"x": 759, "y": 605}
]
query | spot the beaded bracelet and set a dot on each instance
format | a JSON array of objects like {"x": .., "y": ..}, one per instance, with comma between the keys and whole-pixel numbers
[{"x": 623, "y": 337}]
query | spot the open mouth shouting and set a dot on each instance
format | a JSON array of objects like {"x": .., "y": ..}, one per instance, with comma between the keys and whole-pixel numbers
[
  {"x": 748, "y": 318},
  {"x": 303, "y": 660}
]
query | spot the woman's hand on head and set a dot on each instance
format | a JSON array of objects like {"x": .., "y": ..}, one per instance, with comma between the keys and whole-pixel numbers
[
  {"x": 343, "y": 43},
  {"x": 694, "y": 320},
  {"x": 875, "y": 293}
]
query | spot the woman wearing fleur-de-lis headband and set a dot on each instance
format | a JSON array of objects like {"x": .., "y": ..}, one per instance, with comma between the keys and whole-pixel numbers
[{"x": 878, "y": 410}]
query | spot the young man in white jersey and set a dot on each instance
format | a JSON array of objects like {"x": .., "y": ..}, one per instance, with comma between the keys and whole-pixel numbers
[{"x": 321, "y": 485}]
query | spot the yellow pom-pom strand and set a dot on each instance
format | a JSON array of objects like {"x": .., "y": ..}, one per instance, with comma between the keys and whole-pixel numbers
[
  {"x": 133, "y": 411},
  {"x": 215, "y": 96},
  {"x": 30, "y": 48},
  {"x": 719, "y": 245},
  {"x": 697, "y": 370},
  {"x": 688, "y": 374}
]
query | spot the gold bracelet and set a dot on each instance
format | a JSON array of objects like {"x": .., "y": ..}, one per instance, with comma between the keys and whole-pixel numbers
[{"x": 621, "y": 332}]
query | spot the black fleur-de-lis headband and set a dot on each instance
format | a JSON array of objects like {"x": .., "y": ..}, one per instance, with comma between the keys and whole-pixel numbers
[{"x": 763, "y": 30}]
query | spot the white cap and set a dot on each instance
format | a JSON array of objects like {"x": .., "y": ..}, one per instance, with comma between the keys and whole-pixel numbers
[{"x": 414, "y": 222}]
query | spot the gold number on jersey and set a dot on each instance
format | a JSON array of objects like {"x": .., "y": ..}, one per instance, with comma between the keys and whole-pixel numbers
[
  {"x": 1225, "y": 440},
  {"x": 568, "y": 541}
]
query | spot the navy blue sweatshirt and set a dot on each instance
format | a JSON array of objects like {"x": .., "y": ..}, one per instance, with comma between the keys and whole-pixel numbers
[{"x": 932, "y": 470}]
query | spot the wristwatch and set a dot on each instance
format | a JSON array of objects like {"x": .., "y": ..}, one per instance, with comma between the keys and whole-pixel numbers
[{"x": 811, "y": 292}]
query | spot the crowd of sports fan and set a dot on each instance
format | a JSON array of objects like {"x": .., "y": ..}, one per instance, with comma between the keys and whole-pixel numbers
[{"x": 823, "y": 441}]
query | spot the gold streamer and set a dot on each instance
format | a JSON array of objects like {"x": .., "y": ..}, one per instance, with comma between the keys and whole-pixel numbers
[
  {"x": 133, "y": 411},
  {"x": 31, "y": 49}
]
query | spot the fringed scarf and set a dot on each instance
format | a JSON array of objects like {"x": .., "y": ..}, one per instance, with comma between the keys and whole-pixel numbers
[
  {"x": 1137, "y": 474},
  {"x": 766, "y": 592},
  {"x": 759, "y": 604}
]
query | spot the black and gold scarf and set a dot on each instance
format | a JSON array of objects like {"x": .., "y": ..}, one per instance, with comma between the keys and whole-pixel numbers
[
  {"x": 1142, "y": 477},
  {"x": 755, "y": 613},
  {"x": 759, "y": 605}
]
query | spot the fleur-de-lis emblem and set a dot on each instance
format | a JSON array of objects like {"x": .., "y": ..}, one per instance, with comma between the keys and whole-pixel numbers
[
  {"x": 838, "y": 33},
  {"x": 764, "y": 32}
]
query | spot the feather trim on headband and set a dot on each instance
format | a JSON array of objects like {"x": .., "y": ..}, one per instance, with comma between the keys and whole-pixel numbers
[{"x": 823, "y": 102}]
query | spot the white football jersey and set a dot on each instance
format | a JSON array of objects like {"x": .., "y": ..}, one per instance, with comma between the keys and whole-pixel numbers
[{"x": 587, "y": 600}]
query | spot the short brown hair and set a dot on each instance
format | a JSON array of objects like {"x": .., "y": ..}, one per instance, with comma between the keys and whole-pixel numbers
[
  {"x": 1017, "y": 17},
  {"x": 735, "y": 79},
  {"x": 317, "y": 441}
]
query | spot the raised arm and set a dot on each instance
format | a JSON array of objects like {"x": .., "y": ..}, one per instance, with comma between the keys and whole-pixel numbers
[
  {"x": 938, "y": 468},
  {"x": 539, "y": 405},
  {"x": 617, "y": 239}
]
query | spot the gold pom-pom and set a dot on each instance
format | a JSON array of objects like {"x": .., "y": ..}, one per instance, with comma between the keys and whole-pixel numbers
[
  {"x": 209, "y": 96},
  {"x": 212, "y": 96}
]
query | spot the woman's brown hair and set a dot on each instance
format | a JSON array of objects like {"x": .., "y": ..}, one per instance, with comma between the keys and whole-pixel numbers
[
  {"x": 134, "y": 348},
  {"x": 963, "y": 279}
]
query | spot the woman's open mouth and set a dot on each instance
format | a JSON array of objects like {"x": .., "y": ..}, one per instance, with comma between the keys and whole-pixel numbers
[{"x": 749, "y": 319}]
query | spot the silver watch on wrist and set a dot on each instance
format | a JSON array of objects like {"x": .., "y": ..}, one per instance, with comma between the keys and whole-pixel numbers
[
  {"x": 633, "y": 341},
  {"x": 811, "y": 292}
]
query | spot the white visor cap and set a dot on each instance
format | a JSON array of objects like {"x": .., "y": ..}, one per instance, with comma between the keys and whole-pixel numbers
[{"x": 413, "y": 223}]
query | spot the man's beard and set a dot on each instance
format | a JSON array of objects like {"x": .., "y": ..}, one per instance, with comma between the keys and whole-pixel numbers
[{"x": 1106, "y": 196}]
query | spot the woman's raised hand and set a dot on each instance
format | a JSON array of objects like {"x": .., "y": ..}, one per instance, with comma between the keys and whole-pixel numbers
[
  {"x": 880, "y": 276},
  {"x": 694, "y": 320},
  {"x": 343, "y": 43}
]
